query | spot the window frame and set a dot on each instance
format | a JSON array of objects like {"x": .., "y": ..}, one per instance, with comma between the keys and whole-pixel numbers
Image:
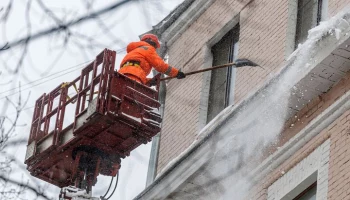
[
  {"x": 306, "y": 190},
  {"x": 233, "y": 36},
  {"x": 310, "y": 169},
  {"x": 231, "y": 71}
]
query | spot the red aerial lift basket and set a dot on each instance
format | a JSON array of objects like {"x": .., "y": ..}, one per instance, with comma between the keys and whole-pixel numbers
[{"x": 90, "y": 123}]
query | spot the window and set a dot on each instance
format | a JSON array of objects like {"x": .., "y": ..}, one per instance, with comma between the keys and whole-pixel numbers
[
  {"x": 305, "y": 190},
  {"x": 308, "y": 194},
  {"x": 222, "y": 82},
  {"x": 309, "y": 16},
  {"x": 307, "y": 180}
]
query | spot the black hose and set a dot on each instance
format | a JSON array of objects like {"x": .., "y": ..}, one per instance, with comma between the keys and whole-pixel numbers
[
  {"x": 115, "y": 187},
  {"x": 103, "y": 197}
]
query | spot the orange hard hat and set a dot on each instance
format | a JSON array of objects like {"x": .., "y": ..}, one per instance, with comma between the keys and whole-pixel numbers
[{"x": 152, "y": 37}]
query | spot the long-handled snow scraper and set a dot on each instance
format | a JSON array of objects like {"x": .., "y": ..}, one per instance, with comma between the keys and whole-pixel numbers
[{"x": 237, "y": 64}]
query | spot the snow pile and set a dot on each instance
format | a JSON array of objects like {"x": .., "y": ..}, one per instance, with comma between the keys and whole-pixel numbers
[
  {"x": 241, "y": 132},
  {"x": 77, "y": 194}
]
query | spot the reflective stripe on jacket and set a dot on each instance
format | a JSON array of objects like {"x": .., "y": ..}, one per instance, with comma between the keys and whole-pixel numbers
[{"x": 147, "y": 56}]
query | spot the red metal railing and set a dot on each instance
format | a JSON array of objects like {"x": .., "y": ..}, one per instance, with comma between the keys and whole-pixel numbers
[
  {"x": 94, "y": 79},
  {"x": 44, "y": 111},
  {"x": 101, "y": 114}
]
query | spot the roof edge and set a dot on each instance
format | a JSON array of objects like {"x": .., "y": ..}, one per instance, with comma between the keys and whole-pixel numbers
[
  {"x": 178, "y": 21},
  {"x": 159, "y": 28}
]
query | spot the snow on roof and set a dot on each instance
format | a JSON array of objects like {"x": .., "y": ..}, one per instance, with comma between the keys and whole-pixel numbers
[
  {"x": 171, "y": 18},
  {"x": 239, "y": 133}
]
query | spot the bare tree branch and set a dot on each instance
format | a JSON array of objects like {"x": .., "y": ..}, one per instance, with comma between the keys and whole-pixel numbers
[
  {"x": 5, "y": 134},
  {"x": 26, "y": 43},
  {"x": 19, "y": 164},
  {"x": 12, "y": 189},
  {"x": 66, "y": 25},
  {"x": 105, "y": 29},
  {"x": 16, "y": 142},
  {"x": 5, "y": 47},
  {"x": 7, "y": 12},
  {"x": 24, "y": 186},
  {"x": 50, "y": 13}
]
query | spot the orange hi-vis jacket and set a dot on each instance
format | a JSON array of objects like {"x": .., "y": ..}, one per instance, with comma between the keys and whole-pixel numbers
[{"x": 147, "y": 57}]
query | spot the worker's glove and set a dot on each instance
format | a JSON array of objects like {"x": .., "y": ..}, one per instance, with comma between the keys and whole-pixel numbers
[
  {"x": 180, "y": 75},
  {"x": 152, "y": 82}
]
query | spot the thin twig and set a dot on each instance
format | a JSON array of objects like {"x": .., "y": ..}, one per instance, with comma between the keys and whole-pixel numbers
[
  {"x": 66, "y": 25},
  {"x": 26, "y": 186}
]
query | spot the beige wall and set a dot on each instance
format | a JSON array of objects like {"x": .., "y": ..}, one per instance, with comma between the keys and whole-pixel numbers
[
  {"x": 263, "y": 38},
  {"x": 182, "y": 108},
  {"x": 334, "y": 6}
]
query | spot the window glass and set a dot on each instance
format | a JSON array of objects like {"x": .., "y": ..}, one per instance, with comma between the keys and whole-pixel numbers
[
  {"x": 308, "y": 194},
  {"x": 223, "y": 80},
  {"x": 309, "y": 16},
  {"x": 232, "y": 75}
]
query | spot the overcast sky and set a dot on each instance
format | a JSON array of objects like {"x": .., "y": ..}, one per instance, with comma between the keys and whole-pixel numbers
[{"x": 48, "y": 63}]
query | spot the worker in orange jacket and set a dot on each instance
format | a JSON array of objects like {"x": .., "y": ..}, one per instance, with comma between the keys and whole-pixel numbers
[{"x": 142, "y": 56}]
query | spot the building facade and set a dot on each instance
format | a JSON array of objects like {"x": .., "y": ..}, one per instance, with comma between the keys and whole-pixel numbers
[{"x": 277, "y": 132}]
